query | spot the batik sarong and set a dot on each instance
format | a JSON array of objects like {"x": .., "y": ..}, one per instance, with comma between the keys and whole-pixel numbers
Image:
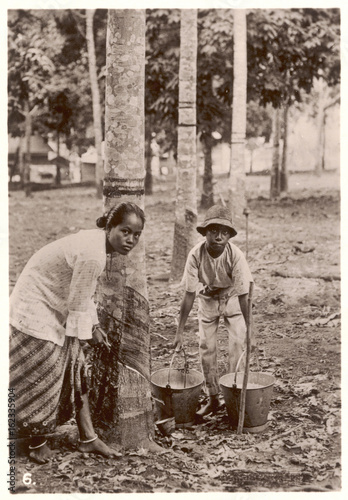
[{"x": 48, "y": 381}]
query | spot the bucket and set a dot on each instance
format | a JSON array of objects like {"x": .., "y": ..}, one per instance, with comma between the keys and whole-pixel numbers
[
  {"x": 176, "y": 393},
  {"x": 257, "y": 401}
]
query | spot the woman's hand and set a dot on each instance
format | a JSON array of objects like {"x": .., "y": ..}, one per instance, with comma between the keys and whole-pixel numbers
[{"x": 99, "y": 336}]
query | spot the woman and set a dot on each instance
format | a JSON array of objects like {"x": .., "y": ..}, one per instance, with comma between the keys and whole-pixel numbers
[{"x": 51, "y": 310}]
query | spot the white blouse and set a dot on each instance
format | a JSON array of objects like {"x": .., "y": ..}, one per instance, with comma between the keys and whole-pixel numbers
[{"x": 54, "y": 295}]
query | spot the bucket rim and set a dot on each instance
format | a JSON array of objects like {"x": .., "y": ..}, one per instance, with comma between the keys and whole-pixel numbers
[
  {"x": 251, "y": 388},
  {"x": 178, "y": 370}
]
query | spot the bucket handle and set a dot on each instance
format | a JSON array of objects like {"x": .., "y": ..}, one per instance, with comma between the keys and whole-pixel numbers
[
  {"x": 238, "y": 363},
  {"x": 185, "y": 366},
  {"x": 236, "y": 370}
]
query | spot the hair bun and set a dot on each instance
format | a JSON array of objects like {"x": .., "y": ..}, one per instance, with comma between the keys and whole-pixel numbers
[{"x": 101, "y": 221}]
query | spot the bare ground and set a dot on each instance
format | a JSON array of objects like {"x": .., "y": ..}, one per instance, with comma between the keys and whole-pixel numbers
[{"x": 294, "y": 255}]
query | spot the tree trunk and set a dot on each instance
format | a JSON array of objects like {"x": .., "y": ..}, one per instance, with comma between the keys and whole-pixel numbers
[
  {"x": 284, "y": 184},
  {"x": 324, "y": 143},
  {"x": 58, "y": 176},
  {"x": 21, "y": 162},
  {"x": 252, "y": 153},
  {"x": 320, "y": 136},
  {"x": 98, "y": 135},
  {"x": 207, "y": 199},
  {"x": 322, "y": 98},
  {"x": 120, "y": 397},
  {"x": 148, "y": 175},
  {"x": 237, "y": 200},
  {"x": 186, "y": 202},
  {"x": 27, "y": 153},
  {"x": 275, "y": 177}
]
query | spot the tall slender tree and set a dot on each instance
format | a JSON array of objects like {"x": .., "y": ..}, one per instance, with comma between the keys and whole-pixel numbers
[
  {"x": 284, "y": 182},
  {"x": 98, "y": 135},
  {"x": 186, "y": 203},
  {"x": 275, "y": 173},
  {"x": 120, "y": 394},
  {"x": 325, "y": 98},
  {"x": 237, "y": 201}
]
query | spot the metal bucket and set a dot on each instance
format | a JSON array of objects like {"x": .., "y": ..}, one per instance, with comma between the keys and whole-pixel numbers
[
  {"x": 257, "y": 401},
  {"x": 176, "y": 393}
]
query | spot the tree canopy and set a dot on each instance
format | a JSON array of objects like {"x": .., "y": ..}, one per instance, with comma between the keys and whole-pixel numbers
[
  {"x": 287, "y": 50},
  {"x": 48, "y": 66}
]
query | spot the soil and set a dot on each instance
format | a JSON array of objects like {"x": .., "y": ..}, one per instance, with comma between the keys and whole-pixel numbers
[{"x": 293, "y": 249}]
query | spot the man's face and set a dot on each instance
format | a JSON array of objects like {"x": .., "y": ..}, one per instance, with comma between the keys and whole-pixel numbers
[{"x": 217, "y": 237}]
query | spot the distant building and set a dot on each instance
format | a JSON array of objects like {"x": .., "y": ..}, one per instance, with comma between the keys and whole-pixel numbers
[
  {"x": 41, "y": 168},
  {"x": 88, "y": 163}
]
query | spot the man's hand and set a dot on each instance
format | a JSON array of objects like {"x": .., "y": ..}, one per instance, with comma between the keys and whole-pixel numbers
[
  {"x": 185, "y": 308},
  {"x": 178, "y": 341}
]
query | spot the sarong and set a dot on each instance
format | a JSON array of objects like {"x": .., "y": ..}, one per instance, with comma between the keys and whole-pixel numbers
[{"x": 47, "y": 381}]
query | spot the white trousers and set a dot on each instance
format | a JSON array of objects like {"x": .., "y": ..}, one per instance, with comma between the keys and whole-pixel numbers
[{"x": 209, "y": 312}]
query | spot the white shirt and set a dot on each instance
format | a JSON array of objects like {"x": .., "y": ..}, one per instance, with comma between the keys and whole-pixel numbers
[
  {"x": 229, "y": 271},
  {"x": 53, "y": 296}
]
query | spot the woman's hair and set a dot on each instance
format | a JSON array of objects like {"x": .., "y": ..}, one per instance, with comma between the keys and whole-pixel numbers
[{"x": 116, "y": 215}]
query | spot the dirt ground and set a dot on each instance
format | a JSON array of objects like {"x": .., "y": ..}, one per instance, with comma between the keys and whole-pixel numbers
[{"x": 294, "y": 255}]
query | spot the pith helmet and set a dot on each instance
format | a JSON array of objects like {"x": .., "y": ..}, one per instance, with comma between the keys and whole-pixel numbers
[{"x": 217, "y": 214}]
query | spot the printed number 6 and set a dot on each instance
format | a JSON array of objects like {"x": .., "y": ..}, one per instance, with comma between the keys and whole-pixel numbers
[{"x": 27, "y": 478}]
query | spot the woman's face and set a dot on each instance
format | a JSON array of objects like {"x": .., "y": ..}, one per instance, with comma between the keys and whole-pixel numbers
[{"x": 125, "y": 236}]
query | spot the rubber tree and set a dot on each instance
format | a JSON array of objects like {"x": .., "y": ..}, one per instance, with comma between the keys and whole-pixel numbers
[
  {"x": 237, "y": 200},
  {"x": 325, "y": 99},
  {"x": 284, "y": 182},
  {"x": 120, "y": 392},
  {"x": 186, "y": 203},
  {"x": 27, "y": 155},
  {"x": 275, "y": 173},
  {"x": 97, "y": 124}
]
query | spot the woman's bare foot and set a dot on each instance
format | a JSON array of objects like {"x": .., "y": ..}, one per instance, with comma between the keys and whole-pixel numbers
[
  {"x": 98, "y": 447},
  {"x": 41, "y": 455}
]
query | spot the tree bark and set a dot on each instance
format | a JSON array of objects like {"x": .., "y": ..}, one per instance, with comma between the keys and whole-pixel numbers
[
  {"x": 237, "y": 199},
  {"x": 120, "y": 397},
  {"x": 97, "y": 122},
  {"x": 186, "y": 203},
  {"x": 275, "y": 175}
]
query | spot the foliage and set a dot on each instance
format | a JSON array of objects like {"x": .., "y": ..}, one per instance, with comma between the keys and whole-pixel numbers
[
  {"x": 162, "y": 74},
  {"x": 74, "y": 58},
  {"x": 32, "y": 45},
  {"x": 288, "y": 49},
  {"x": 59, "y": 112},
  {"x": 259, "y": 121},
  {"x": 163, "y": 47},
  {"x": 48, "y": 64}
]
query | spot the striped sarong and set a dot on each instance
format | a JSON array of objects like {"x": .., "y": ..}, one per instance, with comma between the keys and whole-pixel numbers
[{"x": 47, "y": 380}]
